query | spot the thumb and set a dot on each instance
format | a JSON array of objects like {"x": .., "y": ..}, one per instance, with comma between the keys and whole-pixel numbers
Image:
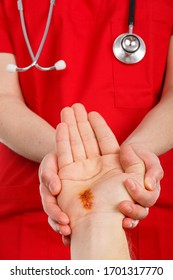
[
  {"x": 48, "y": 173},
  {"x": 132, "y": 163}
]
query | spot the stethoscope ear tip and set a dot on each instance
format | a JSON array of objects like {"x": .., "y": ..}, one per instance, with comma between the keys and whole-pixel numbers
[
  {"x": 11, "y": 68},
  {"x": 60, "y": 65}
]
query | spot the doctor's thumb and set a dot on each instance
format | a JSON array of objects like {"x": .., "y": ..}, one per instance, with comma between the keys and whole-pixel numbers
[{"x": 48, "y": 174}]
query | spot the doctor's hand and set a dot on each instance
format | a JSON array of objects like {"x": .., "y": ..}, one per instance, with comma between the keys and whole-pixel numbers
[
  {"x": 50, "y": 187},
  {"x": 143, "y": 194}
]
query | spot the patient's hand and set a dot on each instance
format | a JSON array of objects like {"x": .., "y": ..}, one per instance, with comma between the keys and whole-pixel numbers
[{"x": 89, "y": 169}]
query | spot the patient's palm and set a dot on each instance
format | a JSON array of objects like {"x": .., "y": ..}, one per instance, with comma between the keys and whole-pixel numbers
[{"x": 101, "y": 177}]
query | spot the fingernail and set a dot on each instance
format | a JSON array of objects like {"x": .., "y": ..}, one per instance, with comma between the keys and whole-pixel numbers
[
  {"x": 150, "y": 183},
  {"x": 128, "y": 209},
  {"x": 58, "y": 230},
  {"x": 130, "y": 224},
  {"x": 53, "y": 188},
  {"x": 134, "y": 223}
]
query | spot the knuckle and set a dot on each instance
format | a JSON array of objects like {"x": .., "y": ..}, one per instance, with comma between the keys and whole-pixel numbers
[
  {"x": 149, "y": 204},
  {"x": 161, "y": 173},
  {"x": 145, "y": 212},
  {"x": 151, "y": 201}
]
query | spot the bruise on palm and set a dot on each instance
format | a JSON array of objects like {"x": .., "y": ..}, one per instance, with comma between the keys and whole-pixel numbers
[{"x": 86, "y": 197}]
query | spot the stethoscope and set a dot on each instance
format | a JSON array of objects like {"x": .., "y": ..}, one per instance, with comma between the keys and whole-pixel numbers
[
  {"x": 59, "y": 65},
  {"x": 128, "y": 48}
]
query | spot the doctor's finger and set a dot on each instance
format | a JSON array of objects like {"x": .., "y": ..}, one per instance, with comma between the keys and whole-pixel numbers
[
  {"x": 142, "y": 196},
  {"x": 77, "y": 148},
  {"x": 61, "y": 229},
  {"x": 107, "y": 141},
  {"x": 154, "y": 172},
  {"x": 66, "y": 240},
  {"x": 48, "y": 173},
  {"x": 129, "y": 223},
  {"x": 131, "y": 162},
  {"x": 133, "y": 211},
  {"x": 86, "y": 132},
  {"x": 50, "y": 206}
]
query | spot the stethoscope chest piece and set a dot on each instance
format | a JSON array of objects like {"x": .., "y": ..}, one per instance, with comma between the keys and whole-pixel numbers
[{"x": 129, "y": 48}]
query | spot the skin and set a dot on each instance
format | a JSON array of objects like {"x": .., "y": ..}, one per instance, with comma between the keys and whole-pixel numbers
[
  {"x": 16, "y": 117},
  {"x": 146, "y": 142},
  {"x": 92, "y": 184}
]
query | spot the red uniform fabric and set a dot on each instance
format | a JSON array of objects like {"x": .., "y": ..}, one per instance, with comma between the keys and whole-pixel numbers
[{"x": 82, "y": 33}]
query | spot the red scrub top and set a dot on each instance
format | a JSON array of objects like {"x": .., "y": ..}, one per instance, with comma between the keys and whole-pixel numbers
[{"x": 82, "y": 33}]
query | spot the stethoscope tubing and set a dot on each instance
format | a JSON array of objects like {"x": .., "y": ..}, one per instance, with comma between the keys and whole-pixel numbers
[
  {"x": 35, "y": 58},
  {"x": 60, "y": 65},
  {"x": 35, "y": 64},
  {"x": 120, "y": 48},
  {"x": 129, "y": 48}
]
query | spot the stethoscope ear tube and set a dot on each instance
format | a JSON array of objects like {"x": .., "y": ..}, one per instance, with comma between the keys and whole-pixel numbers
[{"x": 59, "y": 65}]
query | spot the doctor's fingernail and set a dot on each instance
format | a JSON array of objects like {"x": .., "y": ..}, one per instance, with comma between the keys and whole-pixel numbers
[
  {"x": 53, "y": 188},
  {"x": 134, "y": 223},
  {"x": 150, "y": 183},
  {"x": 130, "y": 225},
  {"x": 128, "y": 209},
  {"x": 58, "y": 230}
]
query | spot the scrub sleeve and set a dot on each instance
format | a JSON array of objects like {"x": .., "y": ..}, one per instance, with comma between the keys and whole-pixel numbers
[{"x": 82, "y": 33}]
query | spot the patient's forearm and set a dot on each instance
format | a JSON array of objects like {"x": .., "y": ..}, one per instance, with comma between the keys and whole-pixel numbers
[{"x": 99, "y": 236}]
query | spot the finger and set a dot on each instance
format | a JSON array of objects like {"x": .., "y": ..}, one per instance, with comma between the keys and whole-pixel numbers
[
  {"x": 61, "y": 229},
  {"x": 128, "y": 223},
  {"x": 140, "y": 195},
  {"x": 154, "y": 171},
  {"x": 131, "y": 162},
  {"x": 133, "y": 211},
  {"x": 77, "y": 148},
  {"x": 86, "y": 132},
  {"x": 50, "y": 206},
  {"x": 66, "y": 240},
  {"x": 54, "y": 225},
  {"x": 63, "y": 148},
  {"x": 107, "y": 142},
  {"x": 65, "y": 230},
  {"x": 48, "y": 173}
]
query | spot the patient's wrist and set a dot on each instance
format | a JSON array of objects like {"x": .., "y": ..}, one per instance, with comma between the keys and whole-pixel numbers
[{"x": 112, "y": 240}]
